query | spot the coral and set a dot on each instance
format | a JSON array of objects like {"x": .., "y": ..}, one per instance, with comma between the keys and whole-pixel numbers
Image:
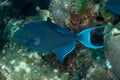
[
  {"x": 3, "y": 72},
  {"x": 83, "y": 62},
  {"x": 91, "y": 17},
  {"x": 75, "y": 18},
  {"x": 30, "y": 66},
  {"x": 60, "y": 11},
  {"x": 99, "y": 74}
]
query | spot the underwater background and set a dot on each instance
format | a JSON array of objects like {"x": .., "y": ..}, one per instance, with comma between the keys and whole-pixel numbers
[{"x": 18, "y": 62}]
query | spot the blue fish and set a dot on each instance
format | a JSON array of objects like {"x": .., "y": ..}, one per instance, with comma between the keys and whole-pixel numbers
[
  {"x": 45, "y": 36},
  {"x": 114, "y": 6}
]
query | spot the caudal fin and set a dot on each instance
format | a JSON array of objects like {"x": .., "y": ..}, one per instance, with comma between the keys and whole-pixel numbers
[{"x": 84, "y": 37}]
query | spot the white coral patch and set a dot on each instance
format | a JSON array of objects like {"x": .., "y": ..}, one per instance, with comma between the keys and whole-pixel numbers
[
  {"x": 115, "y": 31},
  {"x": 108, "y": 64},
  {"x": 22, "y": 66}
]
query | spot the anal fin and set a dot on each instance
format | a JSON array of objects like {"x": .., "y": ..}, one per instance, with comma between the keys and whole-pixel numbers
[{"x": 63, "y": 51}]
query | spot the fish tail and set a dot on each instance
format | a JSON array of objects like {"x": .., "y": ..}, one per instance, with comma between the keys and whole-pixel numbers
[{"x": 84, "y": 37}]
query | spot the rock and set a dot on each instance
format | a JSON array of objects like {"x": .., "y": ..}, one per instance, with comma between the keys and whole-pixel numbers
[{"x": 112, "y": 50}]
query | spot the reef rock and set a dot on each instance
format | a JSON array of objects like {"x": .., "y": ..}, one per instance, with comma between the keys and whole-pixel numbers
[{"x": 112, "y": 44}]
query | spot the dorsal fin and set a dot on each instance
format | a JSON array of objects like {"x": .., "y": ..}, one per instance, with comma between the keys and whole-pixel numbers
[
  {"x": 57, "y": 27},
  {"x": 48, "y": 19}
]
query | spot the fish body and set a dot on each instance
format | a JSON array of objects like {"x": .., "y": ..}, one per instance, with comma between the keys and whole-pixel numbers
[
  {"x": 114, "y": 6},
  {"x": 41, "y": 37},
  {"x": 45, "y": 36}
]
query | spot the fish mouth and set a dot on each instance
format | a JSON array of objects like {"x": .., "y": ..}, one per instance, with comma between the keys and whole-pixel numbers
[
  {"x": 22, "y": 36},
  {"x": 21, "y": 39}
]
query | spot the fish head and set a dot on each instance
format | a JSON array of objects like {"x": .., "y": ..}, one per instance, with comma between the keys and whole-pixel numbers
[{"x": 22, "y": 35}]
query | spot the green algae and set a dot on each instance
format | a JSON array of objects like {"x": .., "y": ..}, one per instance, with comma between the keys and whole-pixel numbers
[
  {"x": 109, "y": 27},
  {"x": 118, "y": 25},
  {"x": 81, "y": 5},
  {"x": 98, "y": 55},
  {"x": 106, "y": 13}
]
